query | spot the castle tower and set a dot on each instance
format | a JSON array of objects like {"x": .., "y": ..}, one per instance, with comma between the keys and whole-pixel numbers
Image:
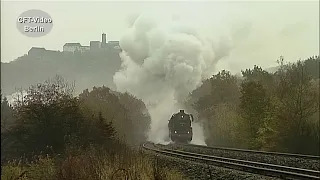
[{"x": 104, "y": 38}]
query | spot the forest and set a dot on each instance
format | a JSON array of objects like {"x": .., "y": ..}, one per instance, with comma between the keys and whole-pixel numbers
[
  {"x": 263, "y": 111},
  {"x": 49, "y": 130}
]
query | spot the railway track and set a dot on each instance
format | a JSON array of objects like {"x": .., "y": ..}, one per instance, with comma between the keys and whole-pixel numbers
[
  {"x": 311, "y": 157},
  {"x": 284, "y": 159},
  {"x": 273, "y": 170}
]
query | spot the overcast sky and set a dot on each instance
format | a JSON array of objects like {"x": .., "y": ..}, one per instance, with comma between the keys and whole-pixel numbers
[{"x": 270, "y": 29}]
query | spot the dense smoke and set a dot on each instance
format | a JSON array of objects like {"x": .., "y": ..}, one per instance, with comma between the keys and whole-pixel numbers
[{"x": 163, "y": 60}]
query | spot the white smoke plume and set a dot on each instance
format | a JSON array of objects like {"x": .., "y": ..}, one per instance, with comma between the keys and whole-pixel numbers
[
  {"x": 198, "y": 134},
  {"x": 163, "y": 60}
]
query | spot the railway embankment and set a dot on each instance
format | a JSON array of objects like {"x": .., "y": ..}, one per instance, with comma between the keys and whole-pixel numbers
[{"x": 197, "y": 163}]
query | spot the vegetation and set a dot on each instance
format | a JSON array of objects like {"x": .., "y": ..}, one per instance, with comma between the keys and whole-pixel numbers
[
  {"x": 49, "y": 133},
  {"x": 263, "y": 111}
]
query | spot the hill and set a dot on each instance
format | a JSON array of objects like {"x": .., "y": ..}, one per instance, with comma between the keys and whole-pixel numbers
[{"x": 86, "y": 69}]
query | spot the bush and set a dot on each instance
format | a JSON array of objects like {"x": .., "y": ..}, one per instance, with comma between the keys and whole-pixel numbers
[{"x": 49, "y": 118}]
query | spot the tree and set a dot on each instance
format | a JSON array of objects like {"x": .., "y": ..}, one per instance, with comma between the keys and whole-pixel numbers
[
  {"x": 312, "y": 66},
  {"x": 6, "y": 114},
  {"x": 6, "y": 122},
  {"x": 260, "y": 75},
  {"x": 254, "y": 105},
  {"x": 297, "y": 103},
  {"x": 223, "y": 89},
  {"x": 138, "y": 115},
  {"x": 49, "y": 118},
  {"x": 216, "y": 102},
  {"x": 126, "y": 113},
  {"x": 105, "y": 131},
  {"x": 221, "y": 126}
]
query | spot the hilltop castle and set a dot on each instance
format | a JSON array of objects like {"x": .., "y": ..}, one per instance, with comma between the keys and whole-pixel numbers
[{"x": 94, "y": 46}]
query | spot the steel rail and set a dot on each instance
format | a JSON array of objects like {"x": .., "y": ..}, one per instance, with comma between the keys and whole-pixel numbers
[
  {"x": 256, "y": 167},
  {"x": 257, "y": 152}
]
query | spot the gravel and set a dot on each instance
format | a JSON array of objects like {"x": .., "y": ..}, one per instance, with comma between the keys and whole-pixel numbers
[
  {"x": 272, "y": 159},
  {"x": 200, "y": 171}
]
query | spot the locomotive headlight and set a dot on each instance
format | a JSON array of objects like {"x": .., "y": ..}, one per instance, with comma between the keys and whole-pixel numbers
[
  {"x": 188, "y": 132},
  {"x": 175, "y": 131}
]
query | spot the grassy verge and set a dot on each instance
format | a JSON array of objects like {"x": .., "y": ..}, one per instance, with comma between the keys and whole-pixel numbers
[{"x": 92, "y": 164}]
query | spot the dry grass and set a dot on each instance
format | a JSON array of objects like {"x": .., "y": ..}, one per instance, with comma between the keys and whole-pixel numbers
[{"x": 91, "y": 165}]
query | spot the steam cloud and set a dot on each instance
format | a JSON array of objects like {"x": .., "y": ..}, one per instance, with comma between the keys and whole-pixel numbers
[{"x": 163, "y": 60}]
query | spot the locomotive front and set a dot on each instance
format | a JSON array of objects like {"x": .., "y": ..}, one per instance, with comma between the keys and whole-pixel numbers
[{"x": 180, "y": 129}]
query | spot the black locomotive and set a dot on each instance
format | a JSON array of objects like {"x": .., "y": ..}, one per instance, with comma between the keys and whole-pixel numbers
[{"x": 180, "y": 129}]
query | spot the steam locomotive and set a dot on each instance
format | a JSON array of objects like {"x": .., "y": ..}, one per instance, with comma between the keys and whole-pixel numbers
[{"x": 180, "y": 129}]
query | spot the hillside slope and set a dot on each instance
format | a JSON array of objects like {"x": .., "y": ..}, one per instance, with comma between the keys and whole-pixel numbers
[{"x": 87, "y": 70}]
